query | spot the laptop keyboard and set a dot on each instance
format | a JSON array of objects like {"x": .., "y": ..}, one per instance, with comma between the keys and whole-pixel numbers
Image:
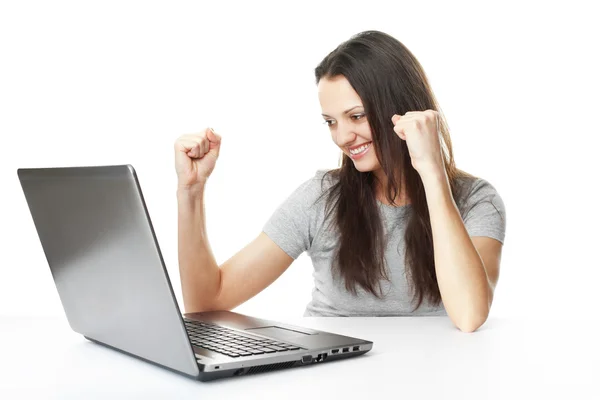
[{"x": 231, "y": 342}]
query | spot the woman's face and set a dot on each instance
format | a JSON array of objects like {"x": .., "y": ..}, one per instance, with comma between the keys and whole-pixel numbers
[{"x": 343, "y": 112}]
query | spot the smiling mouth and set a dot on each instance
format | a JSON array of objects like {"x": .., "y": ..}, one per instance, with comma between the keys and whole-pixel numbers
[{"x": 361, "y": 149}]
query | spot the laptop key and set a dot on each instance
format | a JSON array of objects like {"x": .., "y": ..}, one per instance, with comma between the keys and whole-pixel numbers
[
  {"x": 278, "y": 348},
  {"x": 268, "y": 350}
]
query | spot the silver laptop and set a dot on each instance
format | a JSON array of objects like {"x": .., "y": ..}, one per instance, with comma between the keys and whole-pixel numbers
[{"x": 100, "y": 245}]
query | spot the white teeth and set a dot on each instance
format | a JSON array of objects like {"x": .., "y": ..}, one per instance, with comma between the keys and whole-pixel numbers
[{"x": 360, "y": 149}]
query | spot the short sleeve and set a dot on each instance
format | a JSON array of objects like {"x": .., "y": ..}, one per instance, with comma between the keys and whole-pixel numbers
[
  {"x": 290, "y": 224},
  {"x": 486, "y": 214}
]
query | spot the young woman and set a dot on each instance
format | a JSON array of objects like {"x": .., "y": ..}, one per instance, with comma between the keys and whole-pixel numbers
[{"x": 396, "y": 230}]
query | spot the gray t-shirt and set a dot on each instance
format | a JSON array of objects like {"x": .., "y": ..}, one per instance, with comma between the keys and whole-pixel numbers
[{"x": 297, "y": 225}]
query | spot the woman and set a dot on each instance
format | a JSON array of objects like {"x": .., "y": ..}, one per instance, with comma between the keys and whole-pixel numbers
[{"x": 396, "y": 230}]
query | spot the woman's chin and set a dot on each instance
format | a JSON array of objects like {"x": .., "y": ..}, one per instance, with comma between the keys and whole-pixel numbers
[{"x": 363, "y": 166}]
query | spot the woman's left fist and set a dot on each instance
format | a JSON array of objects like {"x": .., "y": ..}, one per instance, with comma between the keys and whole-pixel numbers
[{"x": 420, "y": 130}]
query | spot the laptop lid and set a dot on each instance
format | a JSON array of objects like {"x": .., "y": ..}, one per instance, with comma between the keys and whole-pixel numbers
[{"x": 100, "y": 245}]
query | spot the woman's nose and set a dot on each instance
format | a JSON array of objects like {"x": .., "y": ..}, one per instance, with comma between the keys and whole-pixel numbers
[{"x": 345, "y": 135}]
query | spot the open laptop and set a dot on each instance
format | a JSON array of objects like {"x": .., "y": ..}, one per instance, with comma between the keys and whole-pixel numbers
[{"x": 104, "y": 257}]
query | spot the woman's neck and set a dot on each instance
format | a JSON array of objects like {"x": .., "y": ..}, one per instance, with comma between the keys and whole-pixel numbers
[{"x": 381, "y": 190}]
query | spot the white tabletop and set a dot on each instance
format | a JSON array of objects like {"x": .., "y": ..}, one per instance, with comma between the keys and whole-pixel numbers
[{"x": 412, "y": 358}]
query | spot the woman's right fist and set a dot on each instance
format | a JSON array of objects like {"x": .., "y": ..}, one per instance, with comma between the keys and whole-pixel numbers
[{"x": 195, "y": 157}]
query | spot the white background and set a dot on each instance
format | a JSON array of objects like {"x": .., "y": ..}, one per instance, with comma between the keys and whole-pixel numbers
[{"x": 116, "y": 82}]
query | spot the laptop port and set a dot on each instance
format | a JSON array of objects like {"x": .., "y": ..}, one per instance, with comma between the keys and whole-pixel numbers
[
  {"x": 335, "y": 351},
  {"x": 355, "y": 348},
  {"x": 321, "y": 357},
  {"x": 345, "y": 350},
  {"x": 306, "y": 359}
]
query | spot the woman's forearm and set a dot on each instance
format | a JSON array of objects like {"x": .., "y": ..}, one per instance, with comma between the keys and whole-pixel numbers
[
  {"x": 461, "y": 276},
  {"x": 199, "y": 272}
]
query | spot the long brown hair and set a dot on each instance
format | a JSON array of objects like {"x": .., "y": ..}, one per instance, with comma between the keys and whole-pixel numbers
[{"x": 389, "y": 80}]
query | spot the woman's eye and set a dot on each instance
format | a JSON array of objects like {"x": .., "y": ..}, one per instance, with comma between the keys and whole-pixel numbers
[{"x": 356, "y": 117}]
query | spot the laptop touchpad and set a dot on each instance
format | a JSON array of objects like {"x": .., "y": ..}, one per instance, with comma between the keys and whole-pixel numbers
[{"x": 278, "y": 332}]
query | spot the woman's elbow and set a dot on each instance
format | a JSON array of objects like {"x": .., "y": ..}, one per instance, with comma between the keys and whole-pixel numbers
[{"x": 472, "y": 321}]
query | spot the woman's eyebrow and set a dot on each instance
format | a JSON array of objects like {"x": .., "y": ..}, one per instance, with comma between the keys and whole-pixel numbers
[{"x": 345, "y": 112}]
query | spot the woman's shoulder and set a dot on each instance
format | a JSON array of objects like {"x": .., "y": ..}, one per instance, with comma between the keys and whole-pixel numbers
[
  {"x": 475, "y": 190},
  {"x": 311, "y": 189},
  {"x": 471, "y": 185},
  {"x": 319, "y": 181},
  {"x": 327, "y": 176}
]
